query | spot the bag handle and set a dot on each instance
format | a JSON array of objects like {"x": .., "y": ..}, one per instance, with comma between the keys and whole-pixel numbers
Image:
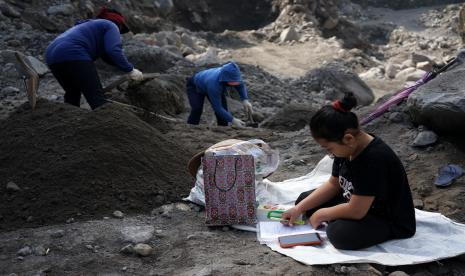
[{"x": 235, "y": 175}]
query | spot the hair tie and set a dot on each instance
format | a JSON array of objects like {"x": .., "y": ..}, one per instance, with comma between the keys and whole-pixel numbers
[{"x": 337, "y": 105}]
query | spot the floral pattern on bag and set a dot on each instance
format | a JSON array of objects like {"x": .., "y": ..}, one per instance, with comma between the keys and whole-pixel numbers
[{"x": 229, "y": 189}]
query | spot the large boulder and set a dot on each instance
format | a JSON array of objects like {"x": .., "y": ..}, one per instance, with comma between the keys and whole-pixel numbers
[
  {"x": 335, "y": 80},
  {"x": 291, "y": 117},
  {"x": 163, "y": 94},
  {"x": 440, "y": 104},
  {"x": 149, "y": 58}
]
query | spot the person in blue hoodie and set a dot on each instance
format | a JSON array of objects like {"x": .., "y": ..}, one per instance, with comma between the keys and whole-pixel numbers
[
  {"x": 71, "y": 56},
  {"x": 212, "y": 84}
]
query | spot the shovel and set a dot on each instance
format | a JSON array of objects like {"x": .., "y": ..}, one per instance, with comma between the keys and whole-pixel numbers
[
  {"x": 251, "y": 122},
  {"x": 30, "y": 78},
  {"x": 126, "y": 78}
]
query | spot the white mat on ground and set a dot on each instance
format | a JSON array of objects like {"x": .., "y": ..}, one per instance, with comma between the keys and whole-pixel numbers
[{"x": 437, "y": 237}]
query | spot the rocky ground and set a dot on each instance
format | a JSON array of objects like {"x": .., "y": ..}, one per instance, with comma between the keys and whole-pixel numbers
[{"x": 121, "y": 213}]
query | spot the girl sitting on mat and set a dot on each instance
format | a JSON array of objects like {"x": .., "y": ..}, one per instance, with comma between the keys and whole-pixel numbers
[{"x": 367, "y": 199}]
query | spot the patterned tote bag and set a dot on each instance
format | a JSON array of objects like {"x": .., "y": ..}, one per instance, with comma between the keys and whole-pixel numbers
[{"x": 229, "y": 182}]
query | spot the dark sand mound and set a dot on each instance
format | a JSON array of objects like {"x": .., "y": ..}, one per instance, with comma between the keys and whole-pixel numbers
[{"x": 70, "y": 162}]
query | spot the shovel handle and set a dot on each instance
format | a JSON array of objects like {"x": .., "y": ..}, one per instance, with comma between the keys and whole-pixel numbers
[{"x": 124, "y": 79}]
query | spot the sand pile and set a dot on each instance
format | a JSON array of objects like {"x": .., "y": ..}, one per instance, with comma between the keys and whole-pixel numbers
[{"x": 74, "y": 163}]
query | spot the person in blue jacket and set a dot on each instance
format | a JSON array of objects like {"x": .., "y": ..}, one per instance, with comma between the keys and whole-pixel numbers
[
  {"x": 212, "y": 83},
  {"x": 71, "y": 56}
]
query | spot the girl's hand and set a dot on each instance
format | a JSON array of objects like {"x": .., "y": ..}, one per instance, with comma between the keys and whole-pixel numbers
[
  {"x": 290, "y": 216},
  {"x": 319, "y": 217}
]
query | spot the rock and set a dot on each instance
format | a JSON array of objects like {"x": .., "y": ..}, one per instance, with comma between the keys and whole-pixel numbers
[
  {"x": 70, "y": 220},
  {"x": 186, "y": 50},
  {"x": 413, "y": 157},
  {"x": 289, "y": 34},
  {"x": 127, "y": 250},
  {"x": 174, "y": 50},
  {"x": 182, "y": 207},
  {"x": 188, "y": 41},
  {"x": 8, "y": 10},
  {"x": 87, "y": 7},
  {"x": 423, "y": 45},
  {"x": 398, "y": 273},
  {"x": 415, "y": 75},
  {"x": 330, "y": 23},
  {"x": 335, "y": 79},
  {"x": 367, "y": 269},
  {"x": 440, "y": 103},
  {"x": 137, "y": 234},
  {"x": 406, "y": 64},
  {"x": 242, "y": 262},
  {"x": 392, "y": 70},
  {"x": 196, "y": 18},
  {"x": 14, "y": 43},
  {"x": 118, "y": 214},
  {"x": 159, "y": 200},
  {"x": 40, "y": 251},
  {"x": 425, "y": 66},
  {"x": 209, "y": 57},
  {"x": 143, "y": 249},
  {"x": 64, "y": 9},
  {"x": 396, "y": 117},
  {"x": 343, "y": 269},
  {"x": 164, "y": 6},
  {"x": 405, "y": 72},
  {"x": 58, "y": 234},
  {"x": 25, "y": 251},
  {"x": 373, "y": 73},
  {"x": 149, "y": 59},
  {"x": 417, "y": 58},
  {"x": 11, "y": 186},
  {"x": 9, "y": 70},
  {"x": 52, "y": 97},
  {"x": 425, "y": 138},
  {"x": 9, "y": 91}
]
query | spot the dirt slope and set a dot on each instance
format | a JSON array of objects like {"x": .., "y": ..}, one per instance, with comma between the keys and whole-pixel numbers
[{"x": 70, "y": 162}]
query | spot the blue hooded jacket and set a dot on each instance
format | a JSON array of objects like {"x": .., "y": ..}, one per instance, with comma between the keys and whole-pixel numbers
[
  {"x": 212, "y": 82},
  {"x": 89, "y": 40}
]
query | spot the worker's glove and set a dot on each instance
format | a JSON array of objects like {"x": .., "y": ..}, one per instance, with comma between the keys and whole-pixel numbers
[
  {"x": 247, "y": 107},
  {"x": 237, "y": 123},
  {"x": 136, "y": 75}
]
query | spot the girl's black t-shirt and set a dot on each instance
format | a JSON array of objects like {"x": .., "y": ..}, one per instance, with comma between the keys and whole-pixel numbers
[{"x": 378, "y": 172}]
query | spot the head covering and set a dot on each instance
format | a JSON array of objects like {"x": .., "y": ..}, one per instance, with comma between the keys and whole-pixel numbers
[
  {"x": 230, "y": 72},
  {"x": 115, "y": 17},
  {"x": 338, "y": 106}
]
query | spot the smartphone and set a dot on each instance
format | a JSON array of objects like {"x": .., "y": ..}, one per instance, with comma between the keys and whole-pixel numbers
[{"x": 299, "y": 239}]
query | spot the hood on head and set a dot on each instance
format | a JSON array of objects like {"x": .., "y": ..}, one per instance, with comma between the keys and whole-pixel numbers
[{"x": 230, "y": 72}]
